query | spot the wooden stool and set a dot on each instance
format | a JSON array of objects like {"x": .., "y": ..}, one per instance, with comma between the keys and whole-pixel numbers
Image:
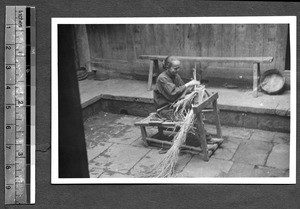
[{"x": 203, "y": 151}]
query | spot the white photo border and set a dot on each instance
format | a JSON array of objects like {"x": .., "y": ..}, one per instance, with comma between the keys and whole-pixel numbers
[{"x": 291, "y": 20}]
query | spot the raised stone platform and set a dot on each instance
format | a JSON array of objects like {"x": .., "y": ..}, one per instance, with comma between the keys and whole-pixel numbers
[{"x": 238, "y": 107}]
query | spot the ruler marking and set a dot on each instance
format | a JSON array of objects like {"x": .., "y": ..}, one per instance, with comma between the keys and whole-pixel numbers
[
  {"x": 20, "y": 55},
  {"x": 15, "y": 111}
]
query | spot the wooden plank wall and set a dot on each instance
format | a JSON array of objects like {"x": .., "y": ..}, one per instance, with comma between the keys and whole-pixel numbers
[{"x": 117, "y": 47}]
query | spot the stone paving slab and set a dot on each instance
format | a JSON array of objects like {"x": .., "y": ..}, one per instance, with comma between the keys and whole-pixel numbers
[
  {"x": 127, "y": 120},
  {"x": 106, "y": 127},
  {"x": 138, "y": 142},
  {"x": 240, "y": 170},
  {"x": 184, "y": 159},
  {"x": 279, "y": 157},
  {"x": 144, "y": 167},
  {"x": 265, "y": 136},
  {"x": 127, "y": 136},
  {"x": 247, "y": 170},
  {"x": 95, "y": 169},
  {"x": 120, "y": 158},
  {"x": 262, "y": 171},
  {"x": 197, "y": 167},
  {"x": 227, "y": 149},
  {"x": 253, "y": 152},
  {"x": 146, "y": 164},
  {"x": 97, "y": 150},
  {"x": 282, "y": 138},
  {"x": 236, "y": 132}
]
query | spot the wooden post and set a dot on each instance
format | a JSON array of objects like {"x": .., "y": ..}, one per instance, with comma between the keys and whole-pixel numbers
[
  {"x": 256, "y": 76},
  {"x": 217, "y": 119},
  {"x": 144, "y": 135},
  {"x": 156, "y": 67},
  {"x": 150, "y": 76},
  {"x": 201, "y": 135}
]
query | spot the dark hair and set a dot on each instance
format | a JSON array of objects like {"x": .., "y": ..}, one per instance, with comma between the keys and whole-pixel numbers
[{"x": 168, "y": 62}]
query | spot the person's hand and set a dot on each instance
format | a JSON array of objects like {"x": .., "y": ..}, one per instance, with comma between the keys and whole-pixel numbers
[{"x": 192, "y": 83}]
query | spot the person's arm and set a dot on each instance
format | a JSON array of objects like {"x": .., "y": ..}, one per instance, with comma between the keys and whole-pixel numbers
[{"x": 169, "y": 90}]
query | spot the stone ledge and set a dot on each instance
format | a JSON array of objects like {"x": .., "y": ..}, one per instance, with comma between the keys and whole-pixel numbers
[{"x": 242, "y": 109}]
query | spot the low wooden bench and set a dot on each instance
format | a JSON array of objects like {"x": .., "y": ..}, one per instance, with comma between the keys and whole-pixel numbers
[
  {"x": 203, "y": 151},
  {"x": 154, "y": 65}
]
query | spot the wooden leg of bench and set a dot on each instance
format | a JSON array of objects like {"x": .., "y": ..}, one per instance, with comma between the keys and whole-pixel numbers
[
  {"x": 144, "y": 135},
  {"x": 256, "y": 76},
  {"x": 217, "y": 119},
  {"x": 156, "y": 69},
  {"x": 201, "y": 136},
  {"x": 150, "y": 76}
]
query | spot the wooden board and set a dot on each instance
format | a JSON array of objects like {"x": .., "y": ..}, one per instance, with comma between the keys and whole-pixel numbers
[
  {"x": 242, "y": 43},
  {"x": 281, "y": 46},
  {"x": 215, "y": 43},
  {"x": 128, "y": 42},
  {"x": 269, "y": 47},
  {"x": 228, "y": 44}
]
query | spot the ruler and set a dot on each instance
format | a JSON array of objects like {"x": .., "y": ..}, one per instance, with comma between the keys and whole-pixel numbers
[{"x": 20, "y": 77}]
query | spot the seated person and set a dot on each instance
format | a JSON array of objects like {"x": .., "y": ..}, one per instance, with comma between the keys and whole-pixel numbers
[{"x": 169, "y": 88}]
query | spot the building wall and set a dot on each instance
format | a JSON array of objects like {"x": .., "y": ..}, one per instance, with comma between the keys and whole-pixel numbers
[{"x": 116, "y": 48}]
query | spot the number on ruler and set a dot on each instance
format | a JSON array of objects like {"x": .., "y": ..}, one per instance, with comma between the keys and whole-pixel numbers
[
  {"x": 20, "y": 102},
  {"x": 8, "y": 67},
  {"x": 8, "y": 87},
  {"x": 8, "y": 47}
]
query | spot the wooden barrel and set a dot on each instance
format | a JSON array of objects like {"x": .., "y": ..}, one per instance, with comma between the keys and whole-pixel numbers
[{"x": 272, "y": 81}]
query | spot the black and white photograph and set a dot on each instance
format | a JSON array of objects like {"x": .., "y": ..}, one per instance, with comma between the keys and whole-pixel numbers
[{"x": 173, "y": 100}]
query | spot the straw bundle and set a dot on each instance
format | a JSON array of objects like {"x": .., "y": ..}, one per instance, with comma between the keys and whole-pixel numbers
[{"x": 166, "y": 166}]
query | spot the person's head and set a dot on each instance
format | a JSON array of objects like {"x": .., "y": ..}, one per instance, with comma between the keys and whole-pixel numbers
[{"x": 172, "y": 65}]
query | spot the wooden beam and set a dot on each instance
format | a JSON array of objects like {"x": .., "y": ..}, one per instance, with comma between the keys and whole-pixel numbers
[
  {"x": 200, "y": 133},
  {"x": 217, "y": 119},
  {"x": 197, "y": 149},
  {"x": 144, "y": 135},
  {"x": 150, "y": 76},
  {"x": 256, "y": 76},
  {"x": 212, "y": 59},
  {"x": 156, "y": 67},
  {"x": 197, "y": 108}
]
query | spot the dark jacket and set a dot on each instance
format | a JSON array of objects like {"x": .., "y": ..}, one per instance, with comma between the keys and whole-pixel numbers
[{"x": 168, "y": 89}]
